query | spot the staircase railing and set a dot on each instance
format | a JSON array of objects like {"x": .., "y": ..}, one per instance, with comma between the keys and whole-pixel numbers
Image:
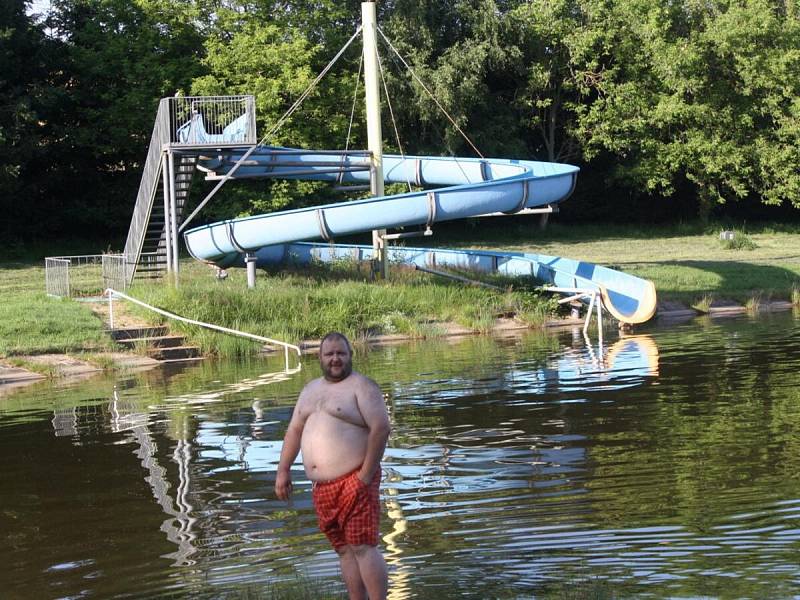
[{"x": 147, "y": 189}]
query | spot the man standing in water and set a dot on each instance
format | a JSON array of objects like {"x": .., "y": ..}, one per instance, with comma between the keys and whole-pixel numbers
[{"x": 341, "y": 425}]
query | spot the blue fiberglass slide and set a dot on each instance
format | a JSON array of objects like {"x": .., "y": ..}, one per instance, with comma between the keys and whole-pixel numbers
[{"x": 454, "y": 188}]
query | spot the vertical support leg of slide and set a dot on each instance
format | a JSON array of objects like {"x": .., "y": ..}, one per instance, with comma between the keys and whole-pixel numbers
[
  {"x": 250, "y": 261},
  {"x": 600, "y": 322},
  {"x": 543, "y": 219},
  {"x": 166, "y": 181},
  {"x": 173, "y": 206}
]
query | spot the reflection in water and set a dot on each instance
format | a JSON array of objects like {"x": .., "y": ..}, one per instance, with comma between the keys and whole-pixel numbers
[
  {"x": 178, "y": 526},
  {"x": 669, "y": 461}
]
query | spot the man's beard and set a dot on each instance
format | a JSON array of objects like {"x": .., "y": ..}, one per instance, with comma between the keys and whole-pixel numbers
[{"x": 346, "y": 369}]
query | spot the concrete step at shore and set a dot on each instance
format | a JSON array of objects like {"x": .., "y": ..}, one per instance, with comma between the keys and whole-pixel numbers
[
  {"x": 160, "y": 341},
  {"x": 174, "y": 353},
  {"x": 159, "y": 344},
  {"x": 181, "y": 360},
  {"x": 135, "y": 333}
]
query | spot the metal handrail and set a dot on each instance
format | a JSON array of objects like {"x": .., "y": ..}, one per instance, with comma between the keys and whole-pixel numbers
[
  {"x": 147, "y": 189},
  {"x": 264, "y": 340}
]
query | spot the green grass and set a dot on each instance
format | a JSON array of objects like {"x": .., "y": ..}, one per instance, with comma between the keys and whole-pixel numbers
[
  {"x": 685, "y": 262},
  {"x": 33, "y": 323},
  {"x": 297, "y": 305},
  {"x": 740, "y": 241}
]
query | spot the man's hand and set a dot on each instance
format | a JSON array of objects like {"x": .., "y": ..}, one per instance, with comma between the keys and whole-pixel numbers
[{"x": 283, "y": 485}]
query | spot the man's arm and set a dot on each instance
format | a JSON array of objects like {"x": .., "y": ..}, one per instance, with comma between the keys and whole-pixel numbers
[
  {"x": 289, "y": 452},
  {"x": 376, "y": 417}
]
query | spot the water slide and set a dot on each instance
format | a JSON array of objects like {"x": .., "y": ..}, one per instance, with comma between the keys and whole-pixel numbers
[{"x": 453, "y": 188}]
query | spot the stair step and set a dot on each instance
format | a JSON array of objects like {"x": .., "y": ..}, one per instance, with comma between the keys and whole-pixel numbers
[
  {"x": 152, "y": 272},
  {"x": 128, "y": 333},
  {"x": 160, "y": 341},
  {"x": 182, "y": 360},
  {"x": 153, "y": 264},
  {"x": 149, "y": 276},
  {"x": 174, "y": 353}
]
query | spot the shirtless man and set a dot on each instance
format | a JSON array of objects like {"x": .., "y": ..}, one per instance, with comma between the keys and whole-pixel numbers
[{"x": 341, "y": 426}]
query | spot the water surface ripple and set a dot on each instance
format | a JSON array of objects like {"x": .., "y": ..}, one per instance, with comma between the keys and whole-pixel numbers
[{"x": 666, "y": 462}]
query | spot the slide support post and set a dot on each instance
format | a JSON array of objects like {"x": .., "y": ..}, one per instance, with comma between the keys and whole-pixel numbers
[
  {"x": 250, "y": 262},
  {"x": 165, "y": 177},
  {"x": 173, "y": 209},
  {"x": 374, "y": 132}
]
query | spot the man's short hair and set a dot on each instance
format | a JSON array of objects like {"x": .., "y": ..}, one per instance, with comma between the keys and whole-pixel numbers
[{"x": 335, "y": 335}]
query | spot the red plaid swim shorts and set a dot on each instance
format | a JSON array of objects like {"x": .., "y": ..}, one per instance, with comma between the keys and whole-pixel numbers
[{"x": 348, "y": 510}]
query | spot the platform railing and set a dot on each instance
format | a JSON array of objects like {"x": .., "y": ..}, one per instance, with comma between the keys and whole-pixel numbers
[{"x": 211, "y": 120}]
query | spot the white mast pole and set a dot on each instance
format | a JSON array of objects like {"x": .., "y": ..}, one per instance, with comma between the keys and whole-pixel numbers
[{"x": 374, "y": 133}]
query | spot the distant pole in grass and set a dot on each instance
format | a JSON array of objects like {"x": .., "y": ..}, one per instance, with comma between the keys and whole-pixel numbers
[{"x": 374, "y": 133}]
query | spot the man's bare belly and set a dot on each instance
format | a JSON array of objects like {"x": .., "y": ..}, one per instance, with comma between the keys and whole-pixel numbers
[{"x": 331, "y": 447}]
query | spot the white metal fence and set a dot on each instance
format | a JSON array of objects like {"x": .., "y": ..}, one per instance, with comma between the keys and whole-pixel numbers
[{"x": 86, "y": 275}]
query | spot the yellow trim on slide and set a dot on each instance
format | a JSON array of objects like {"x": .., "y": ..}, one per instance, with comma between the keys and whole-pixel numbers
[{"x": 645, "y": 311}]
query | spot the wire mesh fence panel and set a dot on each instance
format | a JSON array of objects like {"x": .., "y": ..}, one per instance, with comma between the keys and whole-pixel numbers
[
  {"x": 56, "y": 275},
  {"x": 75, "y": 276},
  {"x": 115, "y": 272}
]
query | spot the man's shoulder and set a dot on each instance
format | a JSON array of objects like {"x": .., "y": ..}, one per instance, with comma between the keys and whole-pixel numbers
[
  {"x": 362, "y": 381},
  {"x": 311, "y": 386}
]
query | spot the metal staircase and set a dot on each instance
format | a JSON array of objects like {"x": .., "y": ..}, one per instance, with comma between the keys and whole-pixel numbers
[
  {"x": 152, "y": 261},
  {"x": 184, "y": 128}
]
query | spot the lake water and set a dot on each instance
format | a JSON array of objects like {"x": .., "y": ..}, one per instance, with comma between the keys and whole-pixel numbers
[{"x": 667, "y": 463}]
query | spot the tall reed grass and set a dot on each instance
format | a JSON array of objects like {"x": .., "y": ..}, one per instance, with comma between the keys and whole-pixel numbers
[{"x": 295, "y": 305}]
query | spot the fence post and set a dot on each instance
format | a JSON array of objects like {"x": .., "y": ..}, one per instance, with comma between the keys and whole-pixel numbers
[{"x": 110, "y": 309}]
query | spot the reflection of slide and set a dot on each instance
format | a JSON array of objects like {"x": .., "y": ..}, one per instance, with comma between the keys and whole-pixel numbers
[
  {"x": 625, "y": 363},
  {"x": 633, "y": 355},
  {"x": 463, "y": 187}
]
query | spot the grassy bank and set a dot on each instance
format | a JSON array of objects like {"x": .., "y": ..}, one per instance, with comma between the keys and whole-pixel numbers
[
  {"x": 687, "y": 263},
  {"x": 33, "y": 323},
  {"x": 299, "y": 305}
]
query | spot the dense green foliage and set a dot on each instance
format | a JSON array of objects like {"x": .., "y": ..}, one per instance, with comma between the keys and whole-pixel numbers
[{"x": 671, "y": 109}]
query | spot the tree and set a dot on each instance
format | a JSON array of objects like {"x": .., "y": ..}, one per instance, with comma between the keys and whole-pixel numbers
[
  {"x": 23, "y": 81},
  {"x": 275, "y": 51},
  {"x": 706, "y": 92},
  {"x": 552, "y": 87},
  {"x": 113, "y": 60}
]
